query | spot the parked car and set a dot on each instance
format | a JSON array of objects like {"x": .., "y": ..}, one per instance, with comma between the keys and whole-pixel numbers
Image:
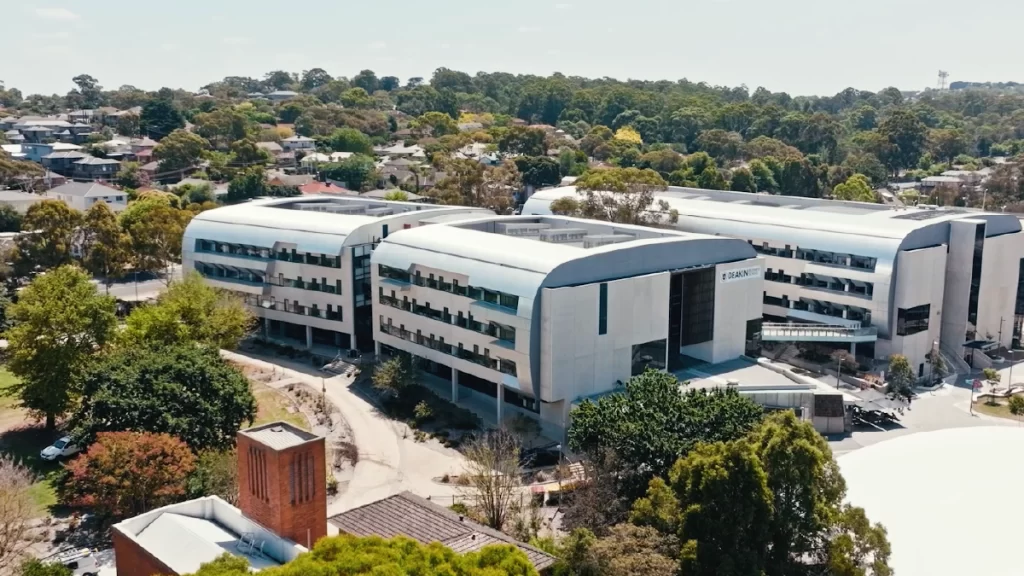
[
  {"x": 81, "y": 561},
  {"x": 60, "y": 449}
]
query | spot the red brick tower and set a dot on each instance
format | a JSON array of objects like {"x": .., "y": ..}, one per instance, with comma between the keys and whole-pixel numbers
[{"x": 282, "y": 481}]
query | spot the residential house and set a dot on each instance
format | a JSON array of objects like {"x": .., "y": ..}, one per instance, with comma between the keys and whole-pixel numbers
[
  {"x": 278, "y": 178},
  {"x": 35, "y": 151},
  {"x": 63, "y": 162},
  {"x": 150, "y": 169},
  {"x": 298, "y": 143},
  {"x": 111, "y": 118},
  {"x": 313, "y": 159},
  {"x": 400, "y": 150},
  {"x": 144, "y": 143},
  {"x": 15, "y": 151},
  {"x": 20, "y": 201},
  {"x": 281, "y": 95},
  {"x": 83, "y": 116},
  {"x": 96, "y": 168},
  {"x": 406, "y": 514},
  {"x": 317, "y": 187},
  {"x": 480, "y": 152},
  {"x": 339, "y": 156},
  {"x": 927, "y": 184},
  {"x": 281, "y": 156},
  {"x": 82, "y": 195},
  {"x": 14, "y": 137},
  {"x": 470, "y": 126},
  {"x": 37, "y": 133},
  {"x": 39, "y": 183}
]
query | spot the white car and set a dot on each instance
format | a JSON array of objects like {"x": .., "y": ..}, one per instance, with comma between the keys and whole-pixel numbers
[
  {"x": 81, "y": 562},
  {"x": 60, "y": 449}
]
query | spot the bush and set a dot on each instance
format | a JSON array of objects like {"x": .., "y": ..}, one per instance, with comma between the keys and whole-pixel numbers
[
  {"x": 459, "y": 508},
  {"x": 991, "y": 374},
  {"x": 332, "y": 484},
  {"x": 423, "y": 412}
]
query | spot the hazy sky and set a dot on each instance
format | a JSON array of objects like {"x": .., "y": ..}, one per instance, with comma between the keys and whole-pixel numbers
[{"x": 799, "y": 46}]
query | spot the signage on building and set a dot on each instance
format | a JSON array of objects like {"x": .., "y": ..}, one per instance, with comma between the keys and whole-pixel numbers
[{"x": 740, "y": 274}]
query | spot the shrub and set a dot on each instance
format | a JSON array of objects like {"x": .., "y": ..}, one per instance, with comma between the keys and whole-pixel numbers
[
  {"x": 332, "y": 484},
  {"x": 423, "y": 412}
]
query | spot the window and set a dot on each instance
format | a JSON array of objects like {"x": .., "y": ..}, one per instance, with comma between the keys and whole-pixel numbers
[
  {"x": 910, "y": 321},
  {"x": 602, "y": 309},
  {"x": 698, "y": 319}
]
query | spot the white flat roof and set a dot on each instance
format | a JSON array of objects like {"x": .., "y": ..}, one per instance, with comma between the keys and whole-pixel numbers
[
  {"x": 960, "y": 492},
  {"x": 186, "y": 535},
  {"x": 279, "y": 435}
]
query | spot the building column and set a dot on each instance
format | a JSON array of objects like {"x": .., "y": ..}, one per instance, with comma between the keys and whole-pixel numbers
[
  {"x": 353, "y": 344},
  {"x": 376, "y": 349},
  {"x": 455, "y": 385},
  {"x": 501, "y": 403},
  {"x": 309, "y": 337},
  {"x": 853, "y": 349}
]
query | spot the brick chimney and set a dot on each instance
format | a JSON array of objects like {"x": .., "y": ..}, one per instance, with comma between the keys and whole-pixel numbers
[{"x": 282, "y": 480}]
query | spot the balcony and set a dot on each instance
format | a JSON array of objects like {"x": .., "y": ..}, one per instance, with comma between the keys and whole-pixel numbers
[
  {"x": 772, "y": 332},
  {"x": 496, "y": 364}
]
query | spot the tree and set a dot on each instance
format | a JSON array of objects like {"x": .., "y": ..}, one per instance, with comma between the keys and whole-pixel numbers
[
  {"x": 718, "y": 534},
  {"x": 223, "y": 126},
  {"x": 770, "y": 502},
  {"x": 900, "y": 377},
  {"x": 356, "y": 172},
  {"x": 905, "y": 135},
  {"x": 156, "y": 230},
  {"x": 216, "y": 474},
  {"x": 720, "y": 144},
  {"x": 124, "y": 474},
  {"x": 90, "y": 91},
  {"x": 375, "y": 555},
  {"x": 315, "y": 78},
  {"x": 366, "y": 80},
  {"x": 350, "y": 140},
  {"x": 35, "y": 567},
  {"x": 742, "y": 181},
  {"x": 495, "y": 475},
  {"x": 10, "y": 219},
  {"x": 129, "y": 125},
  {"x": 160, "y": 118},
  {"x": 250, "y": 183},
  {"x": 523, "y": 140},
  {"x": 394, "y": 376},
  {"x": 623, "y": 195},
  {"x": 16, "y": 511},
  {"x": 60, "y": 322},
  {"x": 131, "y": 176},
  {"x": 245, "y": 152},
  {"x": 52, "y": 224},
  {"x": 857, "y": 188},
  {"x": 182, "y": 390},
  {"x": 180, "y": 151},
  {"x": 651, "y": 424},
  {"x": 189, "y": 312},
  {"x": 947, "y": 144},
  {"x": 356, "y": 98},
  {"x": 538, "y": 171},
  {"x": 438, "y": 123},
  {"x": 397, "y": 196},
  {"x": 990, "y": 374},
  {"x": 1016, "y": 406},
  {"x": 106, "y": 248}
]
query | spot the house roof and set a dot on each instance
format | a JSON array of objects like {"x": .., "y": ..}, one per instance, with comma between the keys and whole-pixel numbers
[
  {"x": 18, "y": 196},
  {"x": 85, "y": 190},
  {"x": 406, "y": 514},
  {"x": 92, "y": 161},
  {"x": 65, "y": 154},
  {"x": 270, "y": 146},
  {"x": 323, "y": 188},
  {"x": 283, "y": 93},
  {"x": 279, "y": 435},
  {"x": 144, "y": 142},
  {"x": 297, "y": 139},
  {"x": 380, "y": 194}
]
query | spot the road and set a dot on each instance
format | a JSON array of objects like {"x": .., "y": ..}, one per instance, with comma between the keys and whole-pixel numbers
[{"x": 145, "y": 289}]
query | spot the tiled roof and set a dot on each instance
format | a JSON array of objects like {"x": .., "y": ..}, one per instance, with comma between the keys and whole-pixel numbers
[{"x": 409, "y": 515}]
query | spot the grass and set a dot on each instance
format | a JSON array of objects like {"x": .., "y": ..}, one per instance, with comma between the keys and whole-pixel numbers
[
  {"x": 23, "y": 440},
  {"x": 273, "y": 406},
  {"x": 997, "y": 410}
]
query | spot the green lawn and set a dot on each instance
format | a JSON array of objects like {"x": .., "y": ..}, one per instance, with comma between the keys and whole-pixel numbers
[
  {"x": 22, "y": 440},
  {"x": 997, "y": 410},
  {"x": 273, "y": 406}
]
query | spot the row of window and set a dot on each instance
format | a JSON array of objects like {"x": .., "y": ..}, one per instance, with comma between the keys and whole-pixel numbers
[
  {"x": 852, "y": 312},
  {"x": 294, "y": 307},
  {"x": 865, "y": 289},
  {"x": 260, "y": 253},
  {"x": 817, "y": 256},
  {"x": 256, "y": 277},
  {"x": 500, "y": 299},
  {"x": 457, "y": 350},
  {"x": 910, "y": 321},
  {"x": 505, "y": 333}
]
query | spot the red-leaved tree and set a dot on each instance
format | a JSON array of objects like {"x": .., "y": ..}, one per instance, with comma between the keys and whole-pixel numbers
[{"x": 127, "y": 473}]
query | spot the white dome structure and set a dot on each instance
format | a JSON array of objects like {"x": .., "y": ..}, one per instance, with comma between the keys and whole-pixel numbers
[{"x": 947, "y": 498}]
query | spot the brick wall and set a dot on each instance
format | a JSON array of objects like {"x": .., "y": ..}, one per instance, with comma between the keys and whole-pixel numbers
[
  {"x": 284, "y": 490},
  {"x": 131, "y": 560}
]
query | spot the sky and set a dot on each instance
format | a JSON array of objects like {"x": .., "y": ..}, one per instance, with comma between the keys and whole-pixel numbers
[{"x": 803, "y": 47}]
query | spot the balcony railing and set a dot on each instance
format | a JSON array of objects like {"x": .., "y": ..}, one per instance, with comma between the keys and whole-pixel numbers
[
  {"x": 507, "y": 336},
  {"x": 496, "y": 364}
]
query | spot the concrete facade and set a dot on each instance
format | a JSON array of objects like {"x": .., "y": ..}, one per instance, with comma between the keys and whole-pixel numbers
[
  {"x": 530, "y": 314},
  {"x": 302, "y": 264},
  {"x": 858, "y": 265}
]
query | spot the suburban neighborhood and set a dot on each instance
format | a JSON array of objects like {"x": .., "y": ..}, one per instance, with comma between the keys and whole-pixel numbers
[{"x": 481, "y": 323}]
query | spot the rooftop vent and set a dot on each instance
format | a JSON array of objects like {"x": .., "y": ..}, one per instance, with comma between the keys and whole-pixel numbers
[
  {"x": 520, "y": 228},
  {"x": 595, "y": 240},
  {"x": 563, "y": 235}
]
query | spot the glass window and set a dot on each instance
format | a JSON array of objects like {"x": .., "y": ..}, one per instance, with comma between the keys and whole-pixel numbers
[
  {"x": 602, "y": 309},
  {"x": 910, "y": 321}
]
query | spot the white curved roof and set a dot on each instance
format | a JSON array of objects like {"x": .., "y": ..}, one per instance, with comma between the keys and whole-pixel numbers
[
  {"x": 877, "y": 230},
  {"x": 943, "y": 496},
  {"x": 520, "y": 266}
]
